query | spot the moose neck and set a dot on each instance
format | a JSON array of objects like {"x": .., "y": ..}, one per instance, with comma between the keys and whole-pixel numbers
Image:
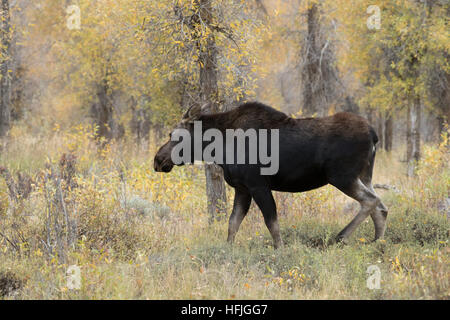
[{"x": 219, "y": 121}]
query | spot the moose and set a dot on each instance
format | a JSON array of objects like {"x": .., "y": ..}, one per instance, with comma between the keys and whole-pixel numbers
[{"x": 313, "y": 152}]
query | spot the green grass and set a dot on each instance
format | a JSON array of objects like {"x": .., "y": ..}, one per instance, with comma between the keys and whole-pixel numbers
[{"x": 144, "y": 235}]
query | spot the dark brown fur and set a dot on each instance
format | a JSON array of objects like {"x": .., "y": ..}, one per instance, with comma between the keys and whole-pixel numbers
[{"x": 337, "y": 150}]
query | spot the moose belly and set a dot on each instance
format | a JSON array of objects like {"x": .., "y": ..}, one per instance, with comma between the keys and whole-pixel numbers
[{"x": 298, "y": 179}]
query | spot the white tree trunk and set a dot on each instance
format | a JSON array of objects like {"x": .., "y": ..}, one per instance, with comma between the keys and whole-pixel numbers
[{"x": 413, "y": 136}]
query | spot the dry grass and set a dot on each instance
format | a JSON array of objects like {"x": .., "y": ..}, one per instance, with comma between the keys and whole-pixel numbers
[{"x": 137, "y": 234}]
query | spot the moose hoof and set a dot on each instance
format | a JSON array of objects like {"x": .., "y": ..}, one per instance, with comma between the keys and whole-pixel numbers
[
  {"x": 278, "y": 245},
  {"x": 340, "y": 239}
]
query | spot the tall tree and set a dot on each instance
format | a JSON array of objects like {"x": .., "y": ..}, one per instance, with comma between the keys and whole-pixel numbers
[
  {"x": 319, "y": 77},
  {"x": 388, "y": 133},
  {"x": 311, "y": 66},
  {"x": 207, "y": 49},
  {"x": 413, "y": 123},
  {"x": 5, "y": 81},
  {"x": 215, "y": 185},
  {"x": 398, "y": 61}
]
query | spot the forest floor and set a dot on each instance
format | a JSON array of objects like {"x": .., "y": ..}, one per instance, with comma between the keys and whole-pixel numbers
[{"x": 133, "y": 233}]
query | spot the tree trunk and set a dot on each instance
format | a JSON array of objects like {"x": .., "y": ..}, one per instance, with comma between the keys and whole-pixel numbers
[
  {"x": 311, "y": 64},
  {"x": 349, "y": 105},
  {"x": 370, "y": 116},
  {"x": 380, "y": 129},
  {"x": 140, "y": 121},
  {"x": 5, "y": 81},
  {"x": 102, "y": 112},
  {"x": 215, "y": 186},
  {"x": 388, "y": 133},
  {"x": 413, "y": 136},
  {"x": 319, "y": 75}
]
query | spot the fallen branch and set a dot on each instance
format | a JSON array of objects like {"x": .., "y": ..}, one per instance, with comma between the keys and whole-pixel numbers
[
  {"x": 14, "y": 245},
  {"x": 386, "y": 187}
]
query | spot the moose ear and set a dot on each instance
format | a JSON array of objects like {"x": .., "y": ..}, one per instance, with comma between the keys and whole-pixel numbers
[
  {"x": 194, "y": 112},
  {"x": 206, "y": 107}
]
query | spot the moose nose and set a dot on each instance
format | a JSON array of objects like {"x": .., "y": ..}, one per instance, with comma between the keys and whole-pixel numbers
[{"x": 157, "y": 163}]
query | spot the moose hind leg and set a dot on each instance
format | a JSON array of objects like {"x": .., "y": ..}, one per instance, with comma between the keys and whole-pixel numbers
[
  {"x": 242, "y": 201},
  {"x": 379, "y": 215},
  {"x": 368, "y": 201},
  {"x": 264, "y": 199}
]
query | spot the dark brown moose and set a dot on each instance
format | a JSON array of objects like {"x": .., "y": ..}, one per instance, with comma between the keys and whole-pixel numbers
[{"x": 313, "y": 152}]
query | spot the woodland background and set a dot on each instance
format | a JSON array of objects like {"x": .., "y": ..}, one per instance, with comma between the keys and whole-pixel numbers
[{"x": 83, "y": 109}]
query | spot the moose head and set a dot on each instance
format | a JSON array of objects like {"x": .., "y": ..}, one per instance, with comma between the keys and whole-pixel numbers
[{"x": 163, "y": 159}]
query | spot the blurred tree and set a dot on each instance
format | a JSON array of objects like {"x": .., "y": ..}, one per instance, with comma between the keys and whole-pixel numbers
[
  {"x": 319, "y": 77},
  {"x": 142, "y": 63},
  {"x": 5, "y": 80},
  {"x": 205, "y": 48},
  {"x": 398, "y": 61},
  {"x": 215, "y": 184}
]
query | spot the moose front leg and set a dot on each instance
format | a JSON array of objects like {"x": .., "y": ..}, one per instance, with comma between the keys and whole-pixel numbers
[
  {"x": 242, "y": 201},
  {"x": 264, "y": 199}
]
